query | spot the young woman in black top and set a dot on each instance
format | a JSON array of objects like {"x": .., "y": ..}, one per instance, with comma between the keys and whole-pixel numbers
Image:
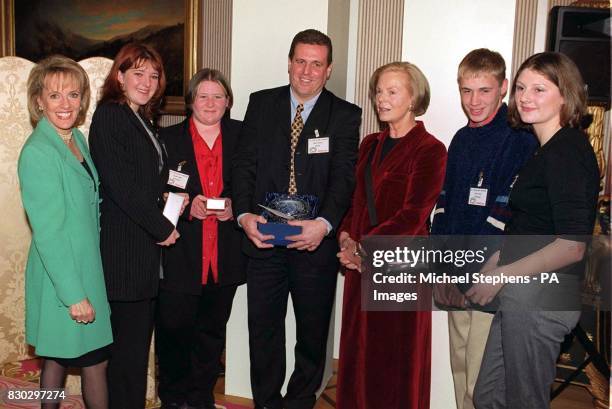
[{"x": 553, "y": 201}]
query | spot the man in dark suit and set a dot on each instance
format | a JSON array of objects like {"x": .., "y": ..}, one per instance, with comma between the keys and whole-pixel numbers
[{"x": 297, "y": 139}]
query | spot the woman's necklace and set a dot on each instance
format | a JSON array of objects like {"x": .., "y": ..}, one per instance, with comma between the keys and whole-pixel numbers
[{"x": 66, "y": 137}]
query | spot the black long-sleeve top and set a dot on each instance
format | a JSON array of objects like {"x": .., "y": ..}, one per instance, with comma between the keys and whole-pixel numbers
[{"x": 555, "y": 195}]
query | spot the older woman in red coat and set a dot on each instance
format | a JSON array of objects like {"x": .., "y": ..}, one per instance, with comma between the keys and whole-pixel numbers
[{"x": 385, "y": 356}]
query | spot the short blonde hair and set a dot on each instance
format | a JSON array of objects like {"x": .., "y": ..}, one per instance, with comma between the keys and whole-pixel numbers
[
  {"x": 482, "y": 61},
  {"x": 56, "y": 65},
  {"x": 418, "y": 84}
]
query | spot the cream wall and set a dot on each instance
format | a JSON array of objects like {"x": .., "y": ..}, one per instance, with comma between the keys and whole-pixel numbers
[
  {"x": 262, "y": 31},
  {"x": 437, "y": 34},
  {"x": 541, "y": 27}
]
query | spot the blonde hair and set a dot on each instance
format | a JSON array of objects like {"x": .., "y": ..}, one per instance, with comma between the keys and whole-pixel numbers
[
  {"x": 417, "y": 83},
  {"x": 63, "y": 67},
  {"x": 482, "y": 61}
]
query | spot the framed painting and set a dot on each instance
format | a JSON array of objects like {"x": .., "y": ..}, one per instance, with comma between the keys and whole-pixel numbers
[{"x": 79, "y": 29}]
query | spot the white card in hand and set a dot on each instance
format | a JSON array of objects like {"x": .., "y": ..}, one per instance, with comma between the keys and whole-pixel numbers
[
  {"x": 172, "y": 209},
  {"x": 215, "y": 204}
]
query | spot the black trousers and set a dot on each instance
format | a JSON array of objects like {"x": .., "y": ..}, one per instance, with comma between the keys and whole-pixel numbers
[
  {"x": 132, "y": 324},
  {"x": 312, "y": 289},
  {"x": 190, "y": 337}
]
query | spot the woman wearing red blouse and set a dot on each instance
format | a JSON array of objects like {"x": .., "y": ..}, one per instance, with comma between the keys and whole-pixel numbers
[{"x": 202, "y": 272}]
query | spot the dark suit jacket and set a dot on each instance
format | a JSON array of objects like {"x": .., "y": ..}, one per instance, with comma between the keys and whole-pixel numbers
[
  {"x": 261, "y": 164},
  {"x": 183, "y": 261},
  {"x": 131, "y": 216}
]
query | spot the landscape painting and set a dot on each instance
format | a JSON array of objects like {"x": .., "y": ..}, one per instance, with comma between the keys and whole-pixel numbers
[{"x": 83, "y": 28}]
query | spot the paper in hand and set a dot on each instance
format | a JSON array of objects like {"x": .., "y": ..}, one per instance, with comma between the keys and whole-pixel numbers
[{"x": 172, "y": 209}]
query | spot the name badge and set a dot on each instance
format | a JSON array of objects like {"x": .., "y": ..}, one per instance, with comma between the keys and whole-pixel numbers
[
  {"x": 177, "y": 179},
  {"x": 318, "y": 145},
  {"x": 478, "y": 196}
]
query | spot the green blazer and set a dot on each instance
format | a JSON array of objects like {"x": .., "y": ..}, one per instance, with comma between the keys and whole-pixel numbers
[{"x": 64, "y": 264}]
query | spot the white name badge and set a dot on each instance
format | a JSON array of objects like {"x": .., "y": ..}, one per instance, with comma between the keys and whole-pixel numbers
[
  {"x": 478, "y": 196},
  {"x": 177, "y": 179},
  {"x": 318, "y": 145}
]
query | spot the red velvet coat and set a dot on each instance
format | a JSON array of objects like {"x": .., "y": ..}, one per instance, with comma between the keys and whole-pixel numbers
[{"x": 385, "y": 357}]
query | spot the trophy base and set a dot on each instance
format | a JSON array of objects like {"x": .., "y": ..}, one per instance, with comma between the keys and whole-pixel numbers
[{"x": 280, "y": 231}]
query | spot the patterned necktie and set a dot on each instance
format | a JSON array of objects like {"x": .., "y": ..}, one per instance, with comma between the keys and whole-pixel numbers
[{"x": 296, "y": 129}]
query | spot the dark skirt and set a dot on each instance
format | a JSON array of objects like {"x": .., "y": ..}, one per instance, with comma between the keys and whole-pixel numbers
[{"x": 88, "y": 359}]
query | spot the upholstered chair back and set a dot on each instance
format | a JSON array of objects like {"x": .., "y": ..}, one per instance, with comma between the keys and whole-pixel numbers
[{"x": 15, "y": 234}]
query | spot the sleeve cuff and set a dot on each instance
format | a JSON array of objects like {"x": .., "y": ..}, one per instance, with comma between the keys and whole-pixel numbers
[
  {"x": 327, "y": 224},
  {"x": 240, "y": 216}
]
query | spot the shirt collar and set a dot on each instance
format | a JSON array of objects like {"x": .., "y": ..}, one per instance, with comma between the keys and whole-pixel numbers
[{"x": 307, "y": 105}]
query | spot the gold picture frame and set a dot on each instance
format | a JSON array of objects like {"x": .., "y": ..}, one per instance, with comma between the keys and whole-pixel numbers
[{"x": 174, "y": 104}]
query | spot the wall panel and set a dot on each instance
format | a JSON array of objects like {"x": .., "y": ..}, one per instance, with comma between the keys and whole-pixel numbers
[
  {"x": 524, "y": 33},
  {"x": 217, "y": 35},
  {"x": 379, "y": 41}
]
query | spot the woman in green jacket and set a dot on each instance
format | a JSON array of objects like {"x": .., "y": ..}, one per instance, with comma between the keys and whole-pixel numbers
[{"x": 67, "y": 312}]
